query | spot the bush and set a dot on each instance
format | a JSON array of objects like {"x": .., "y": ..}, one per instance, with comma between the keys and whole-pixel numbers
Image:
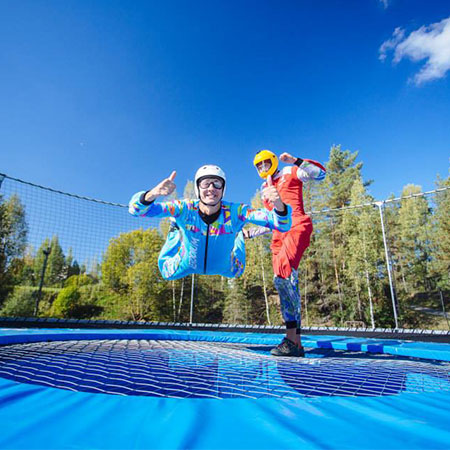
[
  {"x": 75, "y": 303},
  {"x": 21, "y": 302},
  {"x": 79, "y": 280},
  {"x": 66, "y": 304}
]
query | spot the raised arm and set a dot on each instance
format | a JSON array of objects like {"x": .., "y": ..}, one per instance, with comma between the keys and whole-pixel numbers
[
  {"x": 250, "y": 233},
  {"x": 277, "y": 218},
  {"x": 265, "y": 218},
  {"x": 143, "y": 203},
  {"x": 308, "y": 170}
]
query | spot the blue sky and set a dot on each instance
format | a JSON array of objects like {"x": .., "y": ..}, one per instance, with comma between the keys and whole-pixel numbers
[{"x": 104, "y": 98}]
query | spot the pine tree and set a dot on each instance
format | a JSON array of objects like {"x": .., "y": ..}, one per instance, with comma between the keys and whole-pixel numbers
[
  {"x": 56, "y": 269},
  {"x": 237, "y": 304},
  {"x": 363, "y": 250},
  {"x": 412, "y": 235},
  {"x": 329, "y": 240}
]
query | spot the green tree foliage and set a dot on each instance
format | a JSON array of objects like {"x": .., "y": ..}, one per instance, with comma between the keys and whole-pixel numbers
[
  {"x": 189, "y": 190},
  {"x": 67, "y": 303},
  {"x": 409, "y": 232},
  {"x": 80, "y": 280},
  {"x": 208, "y": 299},
  {"x": 363, "y": 247},
  {"x": 56, "y": 270},
  {"x": 342, "y": 277},
  {"x": 237, "y": 308},
  {"x": 130, "y": 269},
  {"x": 258, "y": 276},
  {"x": 71, "y": 265},
  {"x": 21, "y": 302},
  {"x": 13, "y": 235},
  {"x": 342, "y": 171},
  {"x": 324, "y": 265},
  {"x": 440, "y": 237},
  {"x": 77, "y": 300}
]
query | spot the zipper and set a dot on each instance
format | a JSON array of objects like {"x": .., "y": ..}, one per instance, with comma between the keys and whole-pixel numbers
[{"x": 206, "y": 249}]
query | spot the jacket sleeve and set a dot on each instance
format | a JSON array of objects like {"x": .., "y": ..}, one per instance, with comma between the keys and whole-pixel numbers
[
  {"x": 137, "y": 207},
  {"x": 265, "y": 218},
  {"x": 257, "y": 231},
  {"x": 310, "y": 170}
]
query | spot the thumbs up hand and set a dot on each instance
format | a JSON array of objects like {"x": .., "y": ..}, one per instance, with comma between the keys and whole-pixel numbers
[
  {"x": 270, "y": 193},
  {"x": 165, "y": 188}
]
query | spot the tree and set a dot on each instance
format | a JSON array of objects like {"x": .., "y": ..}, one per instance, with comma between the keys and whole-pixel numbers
[
  {"x": 411, "y": 242},
  {"x": 325, "y": 262},
  {"x": 67, "y": 303},
  {"x": 258, "y": 274},
  {"x": 237, "y": 305},
  {"x": 441, "y": 236},
  {"x": 19, "y": 303},
  {"x": 363, "y": 250},
  {"x": 13, "y": 236},
  {"x": 130, "y": 269},
  {"x": 56, "y": 270}
]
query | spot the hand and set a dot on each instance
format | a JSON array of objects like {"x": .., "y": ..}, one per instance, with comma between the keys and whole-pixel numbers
[
  {"x": 271, "y": 194},
  {"x": 166, "y": 187},
  {"x": 287, "y": 158}
]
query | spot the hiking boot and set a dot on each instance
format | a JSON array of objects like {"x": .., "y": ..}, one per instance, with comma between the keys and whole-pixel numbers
[{"x": 288, "y": 348}]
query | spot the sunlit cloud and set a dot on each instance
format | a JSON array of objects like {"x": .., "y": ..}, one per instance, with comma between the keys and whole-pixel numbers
[{"x": 430, "y": 43}]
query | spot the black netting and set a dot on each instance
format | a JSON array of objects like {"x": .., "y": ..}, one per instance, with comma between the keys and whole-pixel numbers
[{"x": 186, "y": 369}]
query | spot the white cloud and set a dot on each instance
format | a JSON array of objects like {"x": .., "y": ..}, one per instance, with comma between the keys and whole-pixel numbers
[
  {"x": 397, "y": 37},
  {"x": 430, "y": 43},
  {"x": 385, "y": 3}
]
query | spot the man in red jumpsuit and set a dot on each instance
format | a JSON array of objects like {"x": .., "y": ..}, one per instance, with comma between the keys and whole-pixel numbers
[{"x": 288, "y": 248}]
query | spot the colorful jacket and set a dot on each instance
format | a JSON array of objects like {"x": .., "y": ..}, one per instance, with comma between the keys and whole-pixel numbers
[{"x": 196, "y": 247}]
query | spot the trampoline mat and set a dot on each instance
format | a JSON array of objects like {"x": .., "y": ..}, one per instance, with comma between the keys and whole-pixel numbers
[{"x": 195, "y": 369}]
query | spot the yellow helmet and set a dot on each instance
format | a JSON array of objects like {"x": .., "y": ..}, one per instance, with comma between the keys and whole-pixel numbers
[{"x": 266, "y": 155}]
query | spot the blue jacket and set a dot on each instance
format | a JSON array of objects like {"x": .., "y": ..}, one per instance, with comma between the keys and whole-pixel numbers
[{"x": 196, "y": 247}]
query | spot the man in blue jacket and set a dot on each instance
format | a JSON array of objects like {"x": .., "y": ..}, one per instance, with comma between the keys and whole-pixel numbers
[{"x": 207, "y": 237}]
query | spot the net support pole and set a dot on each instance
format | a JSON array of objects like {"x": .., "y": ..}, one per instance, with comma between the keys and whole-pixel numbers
[
  {"x": 380, "y": 206},
  {"x": 192, "y": 301},
  {"x": 46, "y": 252},
  {"x": 2, "y": 177}
]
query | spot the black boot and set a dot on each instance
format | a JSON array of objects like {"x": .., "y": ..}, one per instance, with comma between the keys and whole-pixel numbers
[{"x": 288, "y": 348}]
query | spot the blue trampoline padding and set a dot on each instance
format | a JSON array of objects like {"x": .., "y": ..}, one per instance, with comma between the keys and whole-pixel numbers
[
  {"x": 424, "y": 350},
  {"x": 37, "y": 417},
  {"x": 40, "y": 417}
]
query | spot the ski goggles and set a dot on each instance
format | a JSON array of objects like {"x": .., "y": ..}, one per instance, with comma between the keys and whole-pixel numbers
[{"x": 205, "y": 183}]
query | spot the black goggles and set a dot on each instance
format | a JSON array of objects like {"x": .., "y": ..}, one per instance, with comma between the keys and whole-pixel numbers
[{"x": 207, "y": 182}]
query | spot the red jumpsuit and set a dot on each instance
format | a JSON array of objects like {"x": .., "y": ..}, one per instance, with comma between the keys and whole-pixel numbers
[{"x": 288, "y": 248}]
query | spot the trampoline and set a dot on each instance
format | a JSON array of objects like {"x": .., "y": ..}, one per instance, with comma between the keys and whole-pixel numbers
[{"x": 157, "y": 388}]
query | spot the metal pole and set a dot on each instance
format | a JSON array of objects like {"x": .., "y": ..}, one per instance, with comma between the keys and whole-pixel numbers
[
  {"x": 46, "y": 252},
  {"x": 192, "y": 301},
  {"x": 388, "y": 263},
  {"x": 2, "y": 177}
]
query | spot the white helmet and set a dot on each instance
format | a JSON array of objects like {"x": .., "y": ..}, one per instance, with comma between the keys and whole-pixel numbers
[{"x": 209, "y": 171}]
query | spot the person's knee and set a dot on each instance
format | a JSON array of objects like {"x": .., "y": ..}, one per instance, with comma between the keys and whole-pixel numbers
[{"x": 280, "y": 282}]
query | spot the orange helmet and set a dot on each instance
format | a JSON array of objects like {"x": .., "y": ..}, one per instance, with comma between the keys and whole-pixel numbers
[{"x": 266, "y": 155}]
